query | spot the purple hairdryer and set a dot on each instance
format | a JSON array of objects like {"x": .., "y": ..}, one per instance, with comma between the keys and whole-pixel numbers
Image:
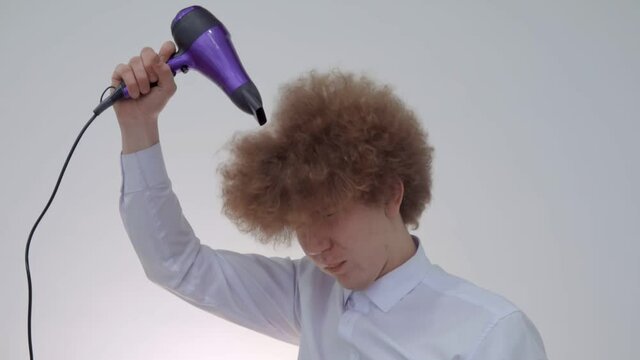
[{"x": 204, "y": 44}]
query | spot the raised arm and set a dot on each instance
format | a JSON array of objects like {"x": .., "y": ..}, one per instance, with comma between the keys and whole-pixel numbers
[{"x": 251, "y": 290}]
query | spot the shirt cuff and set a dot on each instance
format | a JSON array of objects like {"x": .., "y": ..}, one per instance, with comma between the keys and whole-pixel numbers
[{"x": 143, "y": 169}]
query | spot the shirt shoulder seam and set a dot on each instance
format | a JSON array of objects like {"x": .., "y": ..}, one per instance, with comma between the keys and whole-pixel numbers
[
  {"x": 505, "y": 308},
  {"x": 487, "y": 330}
]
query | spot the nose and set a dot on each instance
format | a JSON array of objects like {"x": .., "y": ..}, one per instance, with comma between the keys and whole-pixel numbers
[{"x": 314, "y": 243}]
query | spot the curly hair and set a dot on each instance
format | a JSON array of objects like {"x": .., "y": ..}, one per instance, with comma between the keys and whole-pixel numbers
[{"x": 334, "y": 137}]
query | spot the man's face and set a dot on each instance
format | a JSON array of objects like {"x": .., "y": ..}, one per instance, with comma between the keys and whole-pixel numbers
[{"x": 353, "y": 239}]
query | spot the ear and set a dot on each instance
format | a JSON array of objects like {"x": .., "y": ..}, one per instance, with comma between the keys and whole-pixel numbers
[{"x": 392, "y": 207}]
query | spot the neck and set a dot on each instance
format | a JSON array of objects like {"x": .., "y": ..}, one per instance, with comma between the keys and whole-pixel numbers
[{"x": 400, "y": 248}]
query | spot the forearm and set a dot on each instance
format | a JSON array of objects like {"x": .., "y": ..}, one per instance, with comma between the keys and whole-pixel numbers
[
  {"x": 153, "y": 219},
  {"x": 162, "y": 238}
]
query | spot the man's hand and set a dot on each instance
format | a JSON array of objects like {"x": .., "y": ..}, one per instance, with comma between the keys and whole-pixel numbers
[{"x": 138, "y": 116}]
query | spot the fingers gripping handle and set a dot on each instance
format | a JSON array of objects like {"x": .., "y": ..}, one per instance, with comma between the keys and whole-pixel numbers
[{"x": 121, "y": 92}]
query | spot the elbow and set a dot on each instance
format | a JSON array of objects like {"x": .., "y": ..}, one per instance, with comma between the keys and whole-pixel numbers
[{"x": 171, "y": 273}]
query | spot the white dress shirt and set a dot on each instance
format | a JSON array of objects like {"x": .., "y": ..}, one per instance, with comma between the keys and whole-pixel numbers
[{"x": 416, "y": 311}]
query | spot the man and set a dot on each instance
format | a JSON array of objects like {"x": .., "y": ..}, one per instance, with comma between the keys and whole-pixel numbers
[{"x": 343, "y": 166}]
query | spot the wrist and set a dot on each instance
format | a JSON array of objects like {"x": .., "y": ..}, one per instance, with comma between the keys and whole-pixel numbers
[{"x": 136, "y": 139}]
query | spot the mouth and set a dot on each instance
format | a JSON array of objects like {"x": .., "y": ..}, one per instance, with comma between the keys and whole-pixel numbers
[{"x": 335, "y": 268}]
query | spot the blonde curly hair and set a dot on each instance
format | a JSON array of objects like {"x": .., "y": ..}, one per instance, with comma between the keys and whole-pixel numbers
[{"x": 333, "y": 138}]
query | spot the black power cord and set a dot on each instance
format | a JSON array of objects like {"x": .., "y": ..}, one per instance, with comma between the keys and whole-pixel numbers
[{"x": 103, "y": 105}]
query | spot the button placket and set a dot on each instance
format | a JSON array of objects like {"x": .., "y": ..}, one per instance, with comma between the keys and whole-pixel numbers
[{"x": 345, "y": 326}]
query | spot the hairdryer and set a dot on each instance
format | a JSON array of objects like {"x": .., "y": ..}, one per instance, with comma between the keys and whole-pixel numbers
[{"x": 204, "y": 44}]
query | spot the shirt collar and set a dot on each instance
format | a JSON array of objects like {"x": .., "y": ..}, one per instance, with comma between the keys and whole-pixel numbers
[{"x": 394, "y": 285}]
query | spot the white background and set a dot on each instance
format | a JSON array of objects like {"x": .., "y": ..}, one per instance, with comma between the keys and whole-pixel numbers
[{"x": 532, "y": 108}]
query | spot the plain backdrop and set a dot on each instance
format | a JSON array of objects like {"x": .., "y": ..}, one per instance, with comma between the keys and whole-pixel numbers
[{"x": 532, "y": 107}]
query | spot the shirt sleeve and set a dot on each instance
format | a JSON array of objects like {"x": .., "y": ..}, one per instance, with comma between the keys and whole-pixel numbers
[
  {"x": 254, "y": 291},
  {"x": 512, "y": 337}
]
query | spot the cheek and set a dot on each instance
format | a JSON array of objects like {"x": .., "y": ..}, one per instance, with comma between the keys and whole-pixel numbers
[
  {"x": 372, "y": 258},
  {"x": 364, "y": 257}
]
